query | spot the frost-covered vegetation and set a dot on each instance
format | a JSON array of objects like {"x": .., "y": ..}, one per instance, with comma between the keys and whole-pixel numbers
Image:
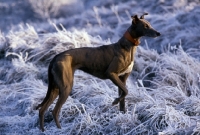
[{"x": 164, "y": 86}]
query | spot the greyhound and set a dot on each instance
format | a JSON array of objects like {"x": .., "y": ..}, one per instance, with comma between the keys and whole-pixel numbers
[{"x": 114, "y": 62}]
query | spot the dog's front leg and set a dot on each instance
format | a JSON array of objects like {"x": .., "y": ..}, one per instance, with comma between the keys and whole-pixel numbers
[
  {"x": 115, "y": 79},
  {"x": 111, "y": 72},
  {"x": 122, "y": 102}
]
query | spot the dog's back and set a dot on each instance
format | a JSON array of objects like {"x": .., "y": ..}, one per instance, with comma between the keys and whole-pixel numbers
[{"x": 94, "y": 61}]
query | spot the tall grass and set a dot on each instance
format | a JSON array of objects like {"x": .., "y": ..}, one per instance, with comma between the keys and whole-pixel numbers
[{"x": 163, "y": 89}]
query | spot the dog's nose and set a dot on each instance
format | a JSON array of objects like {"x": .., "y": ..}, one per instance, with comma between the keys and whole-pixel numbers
[{"x": 158, "y": 34}]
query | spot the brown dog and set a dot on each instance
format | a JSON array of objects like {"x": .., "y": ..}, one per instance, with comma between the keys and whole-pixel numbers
[{"x": 112, "y": 62}]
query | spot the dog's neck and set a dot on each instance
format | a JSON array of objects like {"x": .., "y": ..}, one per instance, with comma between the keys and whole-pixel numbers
[
  {"x": 134, "y": 41},
  {"x": 128, "y": 41}
]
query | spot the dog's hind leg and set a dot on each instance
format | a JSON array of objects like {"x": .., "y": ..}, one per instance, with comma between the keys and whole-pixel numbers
[
  {"x": 52, "y": 96},
  {"x": 64, "y": 79},
  {"x": 63, "y": 95},
  {"x": 122, "y": 102}
]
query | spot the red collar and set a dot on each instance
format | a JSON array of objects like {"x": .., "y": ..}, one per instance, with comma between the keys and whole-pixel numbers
[{"x": 127, "y": 35}]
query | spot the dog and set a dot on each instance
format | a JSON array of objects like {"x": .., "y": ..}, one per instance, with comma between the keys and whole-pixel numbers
[{"x": 114, "y": 62}]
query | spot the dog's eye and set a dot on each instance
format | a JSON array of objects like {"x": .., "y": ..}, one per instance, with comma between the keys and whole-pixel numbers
[{"x": 146, "y": 26}]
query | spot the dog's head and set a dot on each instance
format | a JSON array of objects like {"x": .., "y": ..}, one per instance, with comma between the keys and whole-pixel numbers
[{"x": 142, "y": 27}]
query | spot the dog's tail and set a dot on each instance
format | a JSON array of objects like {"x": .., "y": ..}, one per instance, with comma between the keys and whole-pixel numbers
[{"x": 51, "y": 85}]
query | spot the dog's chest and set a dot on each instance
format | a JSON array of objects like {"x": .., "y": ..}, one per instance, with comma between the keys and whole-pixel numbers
[
  {"x": 128, "y": 70},
  {"x": 130, "y": 66}
]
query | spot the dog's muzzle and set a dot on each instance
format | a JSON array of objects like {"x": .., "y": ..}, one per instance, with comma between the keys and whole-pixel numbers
[{"x": 158, "y": 34}]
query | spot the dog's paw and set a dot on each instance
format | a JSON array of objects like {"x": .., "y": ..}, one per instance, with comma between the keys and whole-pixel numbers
[
  {"x": 122, "y": 110},
  {"x": 116, "y": 101},
  {"x": 42, "y": 129},
  {"x": 37, "y": 107}
]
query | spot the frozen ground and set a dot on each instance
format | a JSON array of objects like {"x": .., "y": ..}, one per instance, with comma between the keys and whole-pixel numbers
[{"x": 164, "y": 87}]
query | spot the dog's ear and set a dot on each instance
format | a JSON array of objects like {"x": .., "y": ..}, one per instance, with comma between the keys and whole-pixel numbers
[
  {"x": 135, "y": 19},
  {"x": 142, "y": 17}
]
